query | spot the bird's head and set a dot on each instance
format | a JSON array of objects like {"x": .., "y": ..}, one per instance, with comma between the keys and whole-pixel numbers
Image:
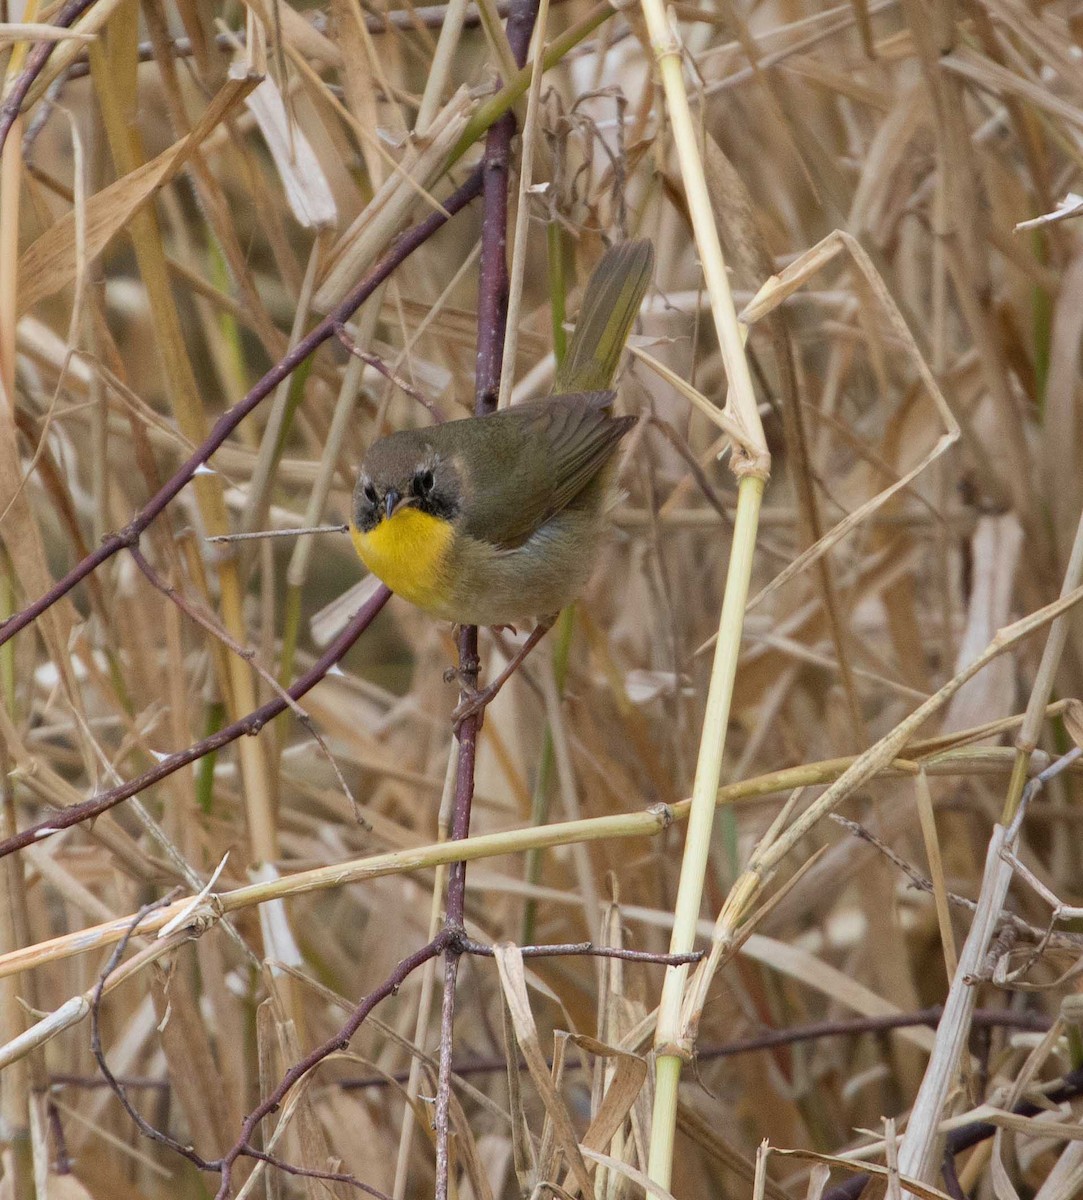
[{"x": 405, "y": 470}]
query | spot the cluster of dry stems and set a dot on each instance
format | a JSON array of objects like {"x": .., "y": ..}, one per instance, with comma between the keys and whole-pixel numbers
[{"x": 791, "y": 725}]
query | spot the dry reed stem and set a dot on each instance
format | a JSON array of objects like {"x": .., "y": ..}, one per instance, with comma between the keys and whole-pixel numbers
[
  {"x": 495, "y": 845},
  {"x": 751, "y": 462}
]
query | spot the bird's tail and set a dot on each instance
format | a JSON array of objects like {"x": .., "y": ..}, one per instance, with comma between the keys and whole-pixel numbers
[{"x": 609, "y": 307}]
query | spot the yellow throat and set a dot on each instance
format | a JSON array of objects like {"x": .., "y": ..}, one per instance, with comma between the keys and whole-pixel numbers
[{"x": 407, "y": 551}]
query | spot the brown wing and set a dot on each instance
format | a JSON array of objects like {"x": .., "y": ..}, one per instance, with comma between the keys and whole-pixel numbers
[
  {"x": 583, "y": 436},
  {"x": 551, "y": 449}
]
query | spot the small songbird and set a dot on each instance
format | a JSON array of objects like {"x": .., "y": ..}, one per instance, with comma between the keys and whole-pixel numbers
[{"x": 496, "y": 519}]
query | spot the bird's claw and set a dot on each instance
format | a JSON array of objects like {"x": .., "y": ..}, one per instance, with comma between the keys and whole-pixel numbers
[{"x": 473, "y": 703}]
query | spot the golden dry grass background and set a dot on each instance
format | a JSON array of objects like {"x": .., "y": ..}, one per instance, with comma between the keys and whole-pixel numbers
[{"x": 133, "y": 317}]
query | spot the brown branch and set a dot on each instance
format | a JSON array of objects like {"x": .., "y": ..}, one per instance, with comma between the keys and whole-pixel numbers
[
  {"x": 217, "y": 630},
  {"x": 855, "y": 1027},
  {"x": 339, "y": 1041},
  {"x": 400, "y": 250},
  {"x": 242, "y": 1147},
  {"x": 951, "y": 1177},
  {"x": 492, "y": 325},
  {"x": 378, "y": 364},
  {"x": 1010, "y": 920},
  {"x": 698, "y": 474},
  {"x": 312, "y": 1173},
  {"x": 114, "y": 1084},
  {"x": 446, "y": 941},
  {"x": 449, "y": 940}
]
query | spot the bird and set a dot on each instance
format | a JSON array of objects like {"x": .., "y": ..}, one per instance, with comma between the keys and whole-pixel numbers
[{"x": 496, "y": 520}]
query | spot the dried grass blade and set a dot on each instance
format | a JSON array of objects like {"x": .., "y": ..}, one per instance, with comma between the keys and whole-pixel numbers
[
  {"x": 509, "y": 962},
  {"x": 922, "y": 1190},
  {"x": 620, "y": 1095},
  {"x": 382, "y": 216},
  {"x": 630, "y": 1173},
  {"x": 191, "y": 1062},
  {"x": 523, "y": 1157},
  {"x": 34, "y": 31},
  {"x": 306, "y": 187},
  {"x": 50, "y": 263},
  {"x": 704, "y": 1133}
]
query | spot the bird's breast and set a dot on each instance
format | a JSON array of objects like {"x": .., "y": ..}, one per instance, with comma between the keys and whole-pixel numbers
[{"x": 408, "y": 551}]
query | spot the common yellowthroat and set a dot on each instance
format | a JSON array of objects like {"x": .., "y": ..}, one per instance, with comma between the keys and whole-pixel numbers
[{"x": 492, "y": 520}]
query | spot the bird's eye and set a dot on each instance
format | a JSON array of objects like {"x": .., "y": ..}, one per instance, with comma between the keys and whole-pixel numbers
[
  {"x": 424, "y": 482},
  {"x": 370, "y": 493}
]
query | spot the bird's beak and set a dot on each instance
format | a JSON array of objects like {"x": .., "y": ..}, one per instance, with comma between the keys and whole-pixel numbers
[{"x": 391, "y": 501}]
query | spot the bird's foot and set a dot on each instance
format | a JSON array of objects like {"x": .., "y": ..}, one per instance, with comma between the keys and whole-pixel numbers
[
  {"x": 465, "y": 674},
  {"x": 474, "y": 700},
  {"x": 473, "y": 703}
]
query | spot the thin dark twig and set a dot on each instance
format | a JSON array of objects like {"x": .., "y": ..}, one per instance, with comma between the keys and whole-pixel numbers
[
  {"x": 118, "y": 1089},
  {"x": 249, "y": 725},
  {"x": 951, "y": 1178},
  {"x": 378, "y": 364},
  {"x": 698, "y": 474},
  {"x": 401, "y": 249},
  {"x": 455, "y": 911},
  {"x": 217, "y": 630},
  {"x": 850, "y": 1189},
  {"x": 493, "y": 287},
  {"x": 242, "y": 1147},
  {"x": 442, "y": 1103},
  {"x": 986, "y": 1018},
  {"x": 33, "y": 67},
  {"x": 966, "y": 1136},
  {"x": 855, "y": 1027},
  {"x": 1012, "y": 921},
  {"x": 44, "y": 111},
  {"x": 61, "y": 1157},
  {"x": 314, "y": 1173},
  {"x": 339, "y": 1041},
  {"x": 816, "y": 1030}
]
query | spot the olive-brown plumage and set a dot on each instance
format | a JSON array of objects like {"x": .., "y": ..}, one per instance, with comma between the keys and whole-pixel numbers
[
  {"x": 525, "y": 492},
  {"x": 490, "y": 520},
  {"x": 493, "y": 519}
]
